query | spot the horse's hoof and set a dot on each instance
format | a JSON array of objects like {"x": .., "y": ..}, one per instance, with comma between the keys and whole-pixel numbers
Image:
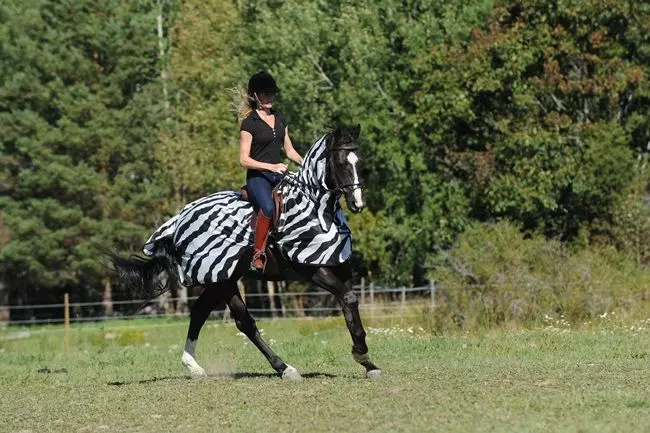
[
  {"x": 290, "y": 373},
  {"x": 374, "y": 374},
  {"x": 196, "y": 371}
]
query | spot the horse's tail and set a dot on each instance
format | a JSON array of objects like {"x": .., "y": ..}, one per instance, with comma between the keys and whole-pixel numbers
[{"x": 145, "y": 278}]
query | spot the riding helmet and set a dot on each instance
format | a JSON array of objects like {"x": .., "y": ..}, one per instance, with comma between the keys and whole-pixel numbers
[{"x": 262, "y": 82}]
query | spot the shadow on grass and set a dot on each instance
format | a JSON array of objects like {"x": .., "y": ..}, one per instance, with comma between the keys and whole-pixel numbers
[
  {"x": 243, "y": 375},
  {"x": 270, "y": 375},
  {"x": 154, "y": 379}
]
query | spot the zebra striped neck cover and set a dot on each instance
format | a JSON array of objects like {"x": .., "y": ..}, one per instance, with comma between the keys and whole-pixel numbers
[
  {"x": 212, "y": 233},
  {"x": 312, "y": 228}
]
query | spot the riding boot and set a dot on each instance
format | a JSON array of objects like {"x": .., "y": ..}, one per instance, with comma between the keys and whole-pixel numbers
[{"x": 262, "y": 227}]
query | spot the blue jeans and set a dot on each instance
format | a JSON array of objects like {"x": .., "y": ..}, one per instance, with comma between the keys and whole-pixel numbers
[{"x": 260, "y": 185}]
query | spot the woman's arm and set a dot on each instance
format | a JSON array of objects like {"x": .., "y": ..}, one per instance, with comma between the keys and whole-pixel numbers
[
  {"x": 289, "y": 150},
  {"x": 245, "y": 140}
]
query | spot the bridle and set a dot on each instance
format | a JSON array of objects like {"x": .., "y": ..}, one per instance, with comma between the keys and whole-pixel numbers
[{"x": 350, "y": 147}]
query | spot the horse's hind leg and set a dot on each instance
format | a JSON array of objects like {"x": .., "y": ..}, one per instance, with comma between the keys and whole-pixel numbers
[
  {"x": 338, "y": 281},
  {"x": 246, "y": 324},
  {"x": 203, "y": 306}
]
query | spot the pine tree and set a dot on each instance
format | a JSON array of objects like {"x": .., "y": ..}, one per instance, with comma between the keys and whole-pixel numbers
[{"x": 79, "y": 109}]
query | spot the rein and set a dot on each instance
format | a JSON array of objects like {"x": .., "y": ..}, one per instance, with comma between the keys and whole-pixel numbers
[
  {"x": 286, "y": 176},
  {"x": 291, "y": 178}
]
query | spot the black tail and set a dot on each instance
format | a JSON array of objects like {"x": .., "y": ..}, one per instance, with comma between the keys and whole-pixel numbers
[{"x": 146, "y": 278}]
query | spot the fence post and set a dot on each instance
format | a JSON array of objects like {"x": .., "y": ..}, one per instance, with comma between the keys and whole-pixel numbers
[
  {"x": 66, "y": 322},
  {"x": 107, "y": 298},
  {"x": 182, "y": 304},
  {"x": 432, "y": 288},
  {"x": 403, "y": 296},
  {"x": 242, "y": 290},
  {"x": 270, "y": 288},
  {"x": 282, "y": 288}
]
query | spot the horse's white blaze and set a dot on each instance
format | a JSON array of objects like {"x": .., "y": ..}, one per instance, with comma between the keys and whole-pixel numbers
[
  {"x": 358, "y": 198},
  {"x": 188, "y": 359}
]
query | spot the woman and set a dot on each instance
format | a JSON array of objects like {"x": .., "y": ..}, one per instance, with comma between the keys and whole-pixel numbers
[{"x": 263, "y": 134}]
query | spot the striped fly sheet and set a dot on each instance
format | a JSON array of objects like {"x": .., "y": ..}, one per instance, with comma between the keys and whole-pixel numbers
[{"x": 211, "y": 234}]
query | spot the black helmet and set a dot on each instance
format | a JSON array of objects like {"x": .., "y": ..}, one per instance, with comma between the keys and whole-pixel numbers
[{"x": 262, "y": 82}]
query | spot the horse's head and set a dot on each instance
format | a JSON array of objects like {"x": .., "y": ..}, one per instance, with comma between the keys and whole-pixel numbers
[{"x": 343, "y": 166}]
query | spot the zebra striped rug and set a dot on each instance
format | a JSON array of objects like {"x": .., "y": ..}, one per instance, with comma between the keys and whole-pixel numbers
[{"x": 212, "y": 233}]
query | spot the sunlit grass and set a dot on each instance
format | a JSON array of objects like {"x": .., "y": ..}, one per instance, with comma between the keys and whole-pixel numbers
[{"x": 126, "y": 376}]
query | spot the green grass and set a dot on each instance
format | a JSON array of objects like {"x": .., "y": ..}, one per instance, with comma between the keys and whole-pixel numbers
[{"x": 127, "y": 377}]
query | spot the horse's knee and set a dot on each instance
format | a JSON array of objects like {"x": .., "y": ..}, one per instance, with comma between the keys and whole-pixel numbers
[
  {"x": 245, "y": 324},
  {"x": 351, "y": 299}
]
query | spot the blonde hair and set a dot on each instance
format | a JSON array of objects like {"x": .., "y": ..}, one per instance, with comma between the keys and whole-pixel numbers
[{"x": 242, "y": 105}]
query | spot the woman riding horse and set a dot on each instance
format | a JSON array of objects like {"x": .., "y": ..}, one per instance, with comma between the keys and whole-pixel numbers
[
  {"x": 208, "y": 243},
  {"x": 264, "y": 132}
]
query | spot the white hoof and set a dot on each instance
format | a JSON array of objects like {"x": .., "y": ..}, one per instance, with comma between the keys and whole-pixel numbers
[
  {"x": 196, "y": 371},
  {"x": 374, "y": 374},
  {"x": 290, "y": 373}
]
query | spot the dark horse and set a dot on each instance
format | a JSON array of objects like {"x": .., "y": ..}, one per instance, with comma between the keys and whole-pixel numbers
[{"x": 338, "y": 162}]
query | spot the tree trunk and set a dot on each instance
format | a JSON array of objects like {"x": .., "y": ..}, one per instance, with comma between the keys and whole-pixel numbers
[{"x": 163, "y": 62}]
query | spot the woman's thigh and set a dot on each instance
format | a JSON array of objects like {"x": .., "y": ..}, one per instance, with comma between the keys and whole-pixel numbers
[{"x": 259, "y": 191}]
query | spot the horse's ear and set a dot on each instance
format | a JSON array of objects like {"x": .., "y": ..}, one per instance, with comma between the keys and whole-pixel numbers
[
  {"x": 336, "y": 135},
  {"x": 356, "y": 131}
]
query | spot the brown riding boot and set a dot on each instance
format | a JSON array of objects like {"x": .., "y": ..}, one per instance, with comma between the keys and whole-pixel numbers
[{"x": 262, "y": 227}]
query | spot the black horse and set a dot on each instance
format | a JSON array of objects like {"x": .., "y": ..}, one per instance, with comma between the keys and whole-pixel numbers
[{"x": 338, "y": 156}]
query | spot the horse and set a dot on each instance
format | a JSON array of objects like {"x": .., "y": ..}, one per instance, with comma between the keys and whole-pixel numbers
[{"x": 209, "y": 243}]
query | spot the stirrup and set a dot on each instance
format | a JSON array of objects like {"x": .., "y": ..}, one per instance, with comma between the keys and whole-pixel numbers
[{"x": 257, "y": 255}]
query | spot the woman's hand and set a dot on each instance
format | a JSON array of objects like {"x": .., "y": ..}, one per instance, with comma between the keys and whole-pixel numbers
[{"x": 279, "y": 168}]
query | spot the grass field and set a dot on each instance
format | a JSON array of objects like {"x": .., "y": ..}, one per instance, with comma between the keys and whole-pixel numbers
[{"x": 127, "y": 376}]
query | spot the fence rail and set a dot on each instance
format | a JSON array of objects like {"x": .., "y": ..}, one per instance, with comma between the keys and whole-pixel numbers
[{"x": 370, "y": 299}]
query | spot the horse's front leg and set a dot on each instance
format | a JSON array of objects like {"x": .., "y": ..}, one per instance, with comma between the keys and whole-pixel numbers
[
  {"x": 246, "y": 324},
  {"x": 350, "y": 306},
  {"x": 338, "y": 281}
]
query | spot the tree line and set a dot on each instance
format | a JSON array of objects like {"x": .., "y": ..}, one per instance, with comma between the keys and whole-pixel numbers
[{"x": 113, "y": 115}]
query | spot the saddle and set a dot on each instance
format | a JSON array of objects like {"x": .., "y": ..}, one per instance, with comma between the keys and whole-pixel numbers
[{"x": 277, "y": 205}]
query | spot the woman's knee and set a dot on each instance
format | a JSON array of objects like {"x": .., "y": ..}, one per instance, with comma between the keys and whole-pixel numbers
[{"x": 267, "y": 208}]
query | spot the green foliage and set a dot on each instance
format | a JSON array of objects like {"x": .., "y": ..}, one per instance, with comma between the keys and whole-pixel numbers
[
  {"x": 632, "y": 218},
  {"x": 494, "y": 274},
  {"x": 352, "y": 62},
  {"x": 481, "y": 110},
  {"x": 77, "y": 126},
  {"x": 200, "y": 144},
  {"x": 540, "y": 111}
]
